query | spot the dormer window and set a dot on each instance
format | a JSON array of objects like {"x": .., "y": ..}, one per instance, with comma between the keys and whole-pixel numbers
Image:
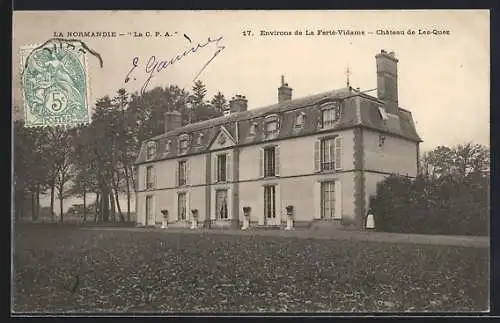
[
  {"x": 151, "y": 150},
  {"x": 253, "y": 126},
  {"x": 199, "y": 140},
  {"x": 183, "y": 144},
  {"x": 168, "y": 146},
  {"x": 299, "y": 120},
  {"x": 329, "y": 115},
  {"x": 271, "y": 127}
]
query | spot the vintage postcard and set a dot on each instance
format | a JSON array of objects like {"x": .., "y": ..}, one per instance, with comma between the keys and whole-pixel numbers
[{"x": 250, "y": 162}]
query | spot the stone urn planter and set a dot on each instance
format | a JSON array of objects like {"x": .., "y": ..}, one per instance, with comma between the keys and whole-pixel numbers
[
  {"x": 164, "y": 223},
  {"x": 194, "y": 219},
  {"x": 246, "y": 217},
  {"x": 289, "y": 218}
]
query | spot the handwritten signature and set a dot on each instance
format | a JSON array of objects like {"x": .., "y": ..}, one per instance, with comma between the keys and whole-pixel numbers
[{"x": 155, "y": 65}]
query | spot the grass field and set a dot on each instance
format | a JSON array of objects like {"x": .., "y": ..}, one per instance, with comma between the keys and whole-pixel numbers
[{"x": 134, "y": 271}]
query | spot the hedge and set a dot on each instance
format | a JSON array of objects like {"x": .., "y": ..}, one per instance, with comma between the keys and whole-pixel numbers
[{"x": 445, "y": 205}]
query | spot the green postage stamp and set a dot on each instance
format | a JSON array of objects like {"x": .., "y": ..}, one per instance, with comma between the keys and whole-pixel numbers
[{"x": 54, "y": 85}]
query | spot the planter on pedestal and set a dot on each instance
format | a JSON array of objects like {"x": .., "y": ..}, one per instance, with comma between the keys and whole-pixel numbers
[
  {"x": 164, "y": 223},
  {"x": 246, "y": 219},
  {"x": 289, "y": 220},
  {"x": 194, "y": 219}
]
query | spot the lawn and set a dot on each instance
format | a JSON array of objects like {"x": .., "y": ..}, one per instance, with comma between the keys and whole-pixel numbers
[{"x": 134, "y": 271}]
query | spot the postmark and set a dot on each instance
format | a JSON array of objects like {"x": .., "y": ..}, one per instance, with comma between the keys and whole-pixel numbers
[{"x": 55, "y": 85}]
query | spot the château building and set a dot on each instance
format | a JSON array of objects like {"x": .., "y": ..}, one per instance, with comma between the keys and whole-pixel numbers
[{"x": 322, "y": 154}]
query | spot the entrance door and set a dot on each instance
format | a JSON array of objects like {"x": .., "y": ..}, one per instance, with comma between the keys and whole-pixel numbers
[
  {"x": 221, "y": 205},
  {"x": 270, "y": 216},
  {"x": 328, "y": 200},
  {"x": 181, "y": 207},
  {"x": 150, "y": 220}
]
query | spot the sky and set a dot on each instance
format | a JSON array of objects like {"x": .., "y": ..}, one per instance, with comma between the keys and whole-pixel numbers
[{"x": 442, "y": 79}]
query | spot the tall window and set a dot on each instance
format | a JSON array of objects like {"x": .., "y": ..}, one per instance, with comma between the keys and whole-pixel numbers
[
  {"x": 151, "y": 150},
  {"x": 328, "y": 154},
  {"x": 150, "y": 177},
  {"x": 181, "y": 206},
  {"x": 221, "y": 204},
  {"x": 329, "y": 115},
  {"x": 149, "y": 210},
  {"x": 270, "y": 202},
  {"x": 328, "y": 200},
  {"x": 270, "y": 161},
  {"x": 271, "y": 128},
  {"x": 182, "y": 173},
  {"x": 221, "y": 168}
]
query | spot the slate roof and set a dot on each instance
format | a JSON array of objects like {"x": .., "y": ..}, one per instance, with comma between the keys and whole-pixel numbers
[{"x": 368, "y": 116}]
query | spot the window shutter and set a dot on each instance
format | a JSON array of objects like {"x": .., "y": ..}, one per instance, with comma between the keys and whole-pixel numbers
[
  {"x": 338, "y": 199},
  {"x": 230, "y": 205},
  {"x": 317, "y": 200},
  {"x": 229, "y": 167},
  {"x": 317, "y": 159},
  {"x": 175, "y": 208},
  {"x": 212, "y": 205},
  {"x": 154, "y": 177},
  {"x": 261, "y": 214},
  {"x": 261, "y": 162},
  {"x": 277, "y": 161},
  {"x": 188, "y": 206},
  {"x": 338, "y": 152},
  {"x": 145, "y": 186},
  {"x": 214, "y": 168},
  {"x": 279, "y": 207},
  {"x": 155, "y": 214},
  {"x": 176, "y": 175},
  {"x": 187, "y": 172}
]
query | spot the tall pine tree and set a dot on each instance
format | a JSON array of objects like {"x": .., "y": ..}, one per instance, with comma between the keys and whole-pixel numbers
[
  {"x": 219, "y": 102},
  {"x": 199, "y": 91}
]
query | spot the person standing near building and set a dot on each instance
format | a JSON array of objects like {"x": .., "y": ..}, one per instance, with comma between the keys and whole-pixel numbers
[{"x": 370, "y": 220}]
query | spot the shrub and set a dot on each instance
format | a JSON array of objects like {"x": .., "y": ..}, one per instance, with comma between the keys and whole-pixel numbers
[{"x": 446, "y": 205}]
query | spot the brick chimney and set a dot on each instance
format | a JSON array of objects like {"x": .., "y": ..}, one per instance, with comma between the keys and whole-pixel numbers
[
  {"x": 173, "y": 120},
  {"x": 238, "y": 103},
  {"x": 387, "y": 80},
  {"x": 284, "y": 92}
]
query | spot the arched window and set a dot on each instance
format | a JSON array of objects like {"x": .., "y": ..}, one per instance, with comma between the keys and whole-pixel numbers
[
  {"x": 330, "y": 113},
  {"x": 299, "y": 119},
  {"x": 271, "y": 126}
]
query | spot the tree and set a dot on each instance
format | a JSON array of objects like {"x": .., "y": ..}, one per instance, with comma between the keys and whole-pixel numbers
[
  {"x": 63, "y": 161},
  {"x": 471, "y": 158},
  {"x": 199, "y": 91},
  {"x": 21, "y": 162},
  {"x": 85, "y": 167},
  {"x": 124, "y": 155},
  {"x": 197, "y": 108},
  {"x": 219, "y": 102},
  {"x": 450, "y": 196},
  {"x": 459, "y": 160}
]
